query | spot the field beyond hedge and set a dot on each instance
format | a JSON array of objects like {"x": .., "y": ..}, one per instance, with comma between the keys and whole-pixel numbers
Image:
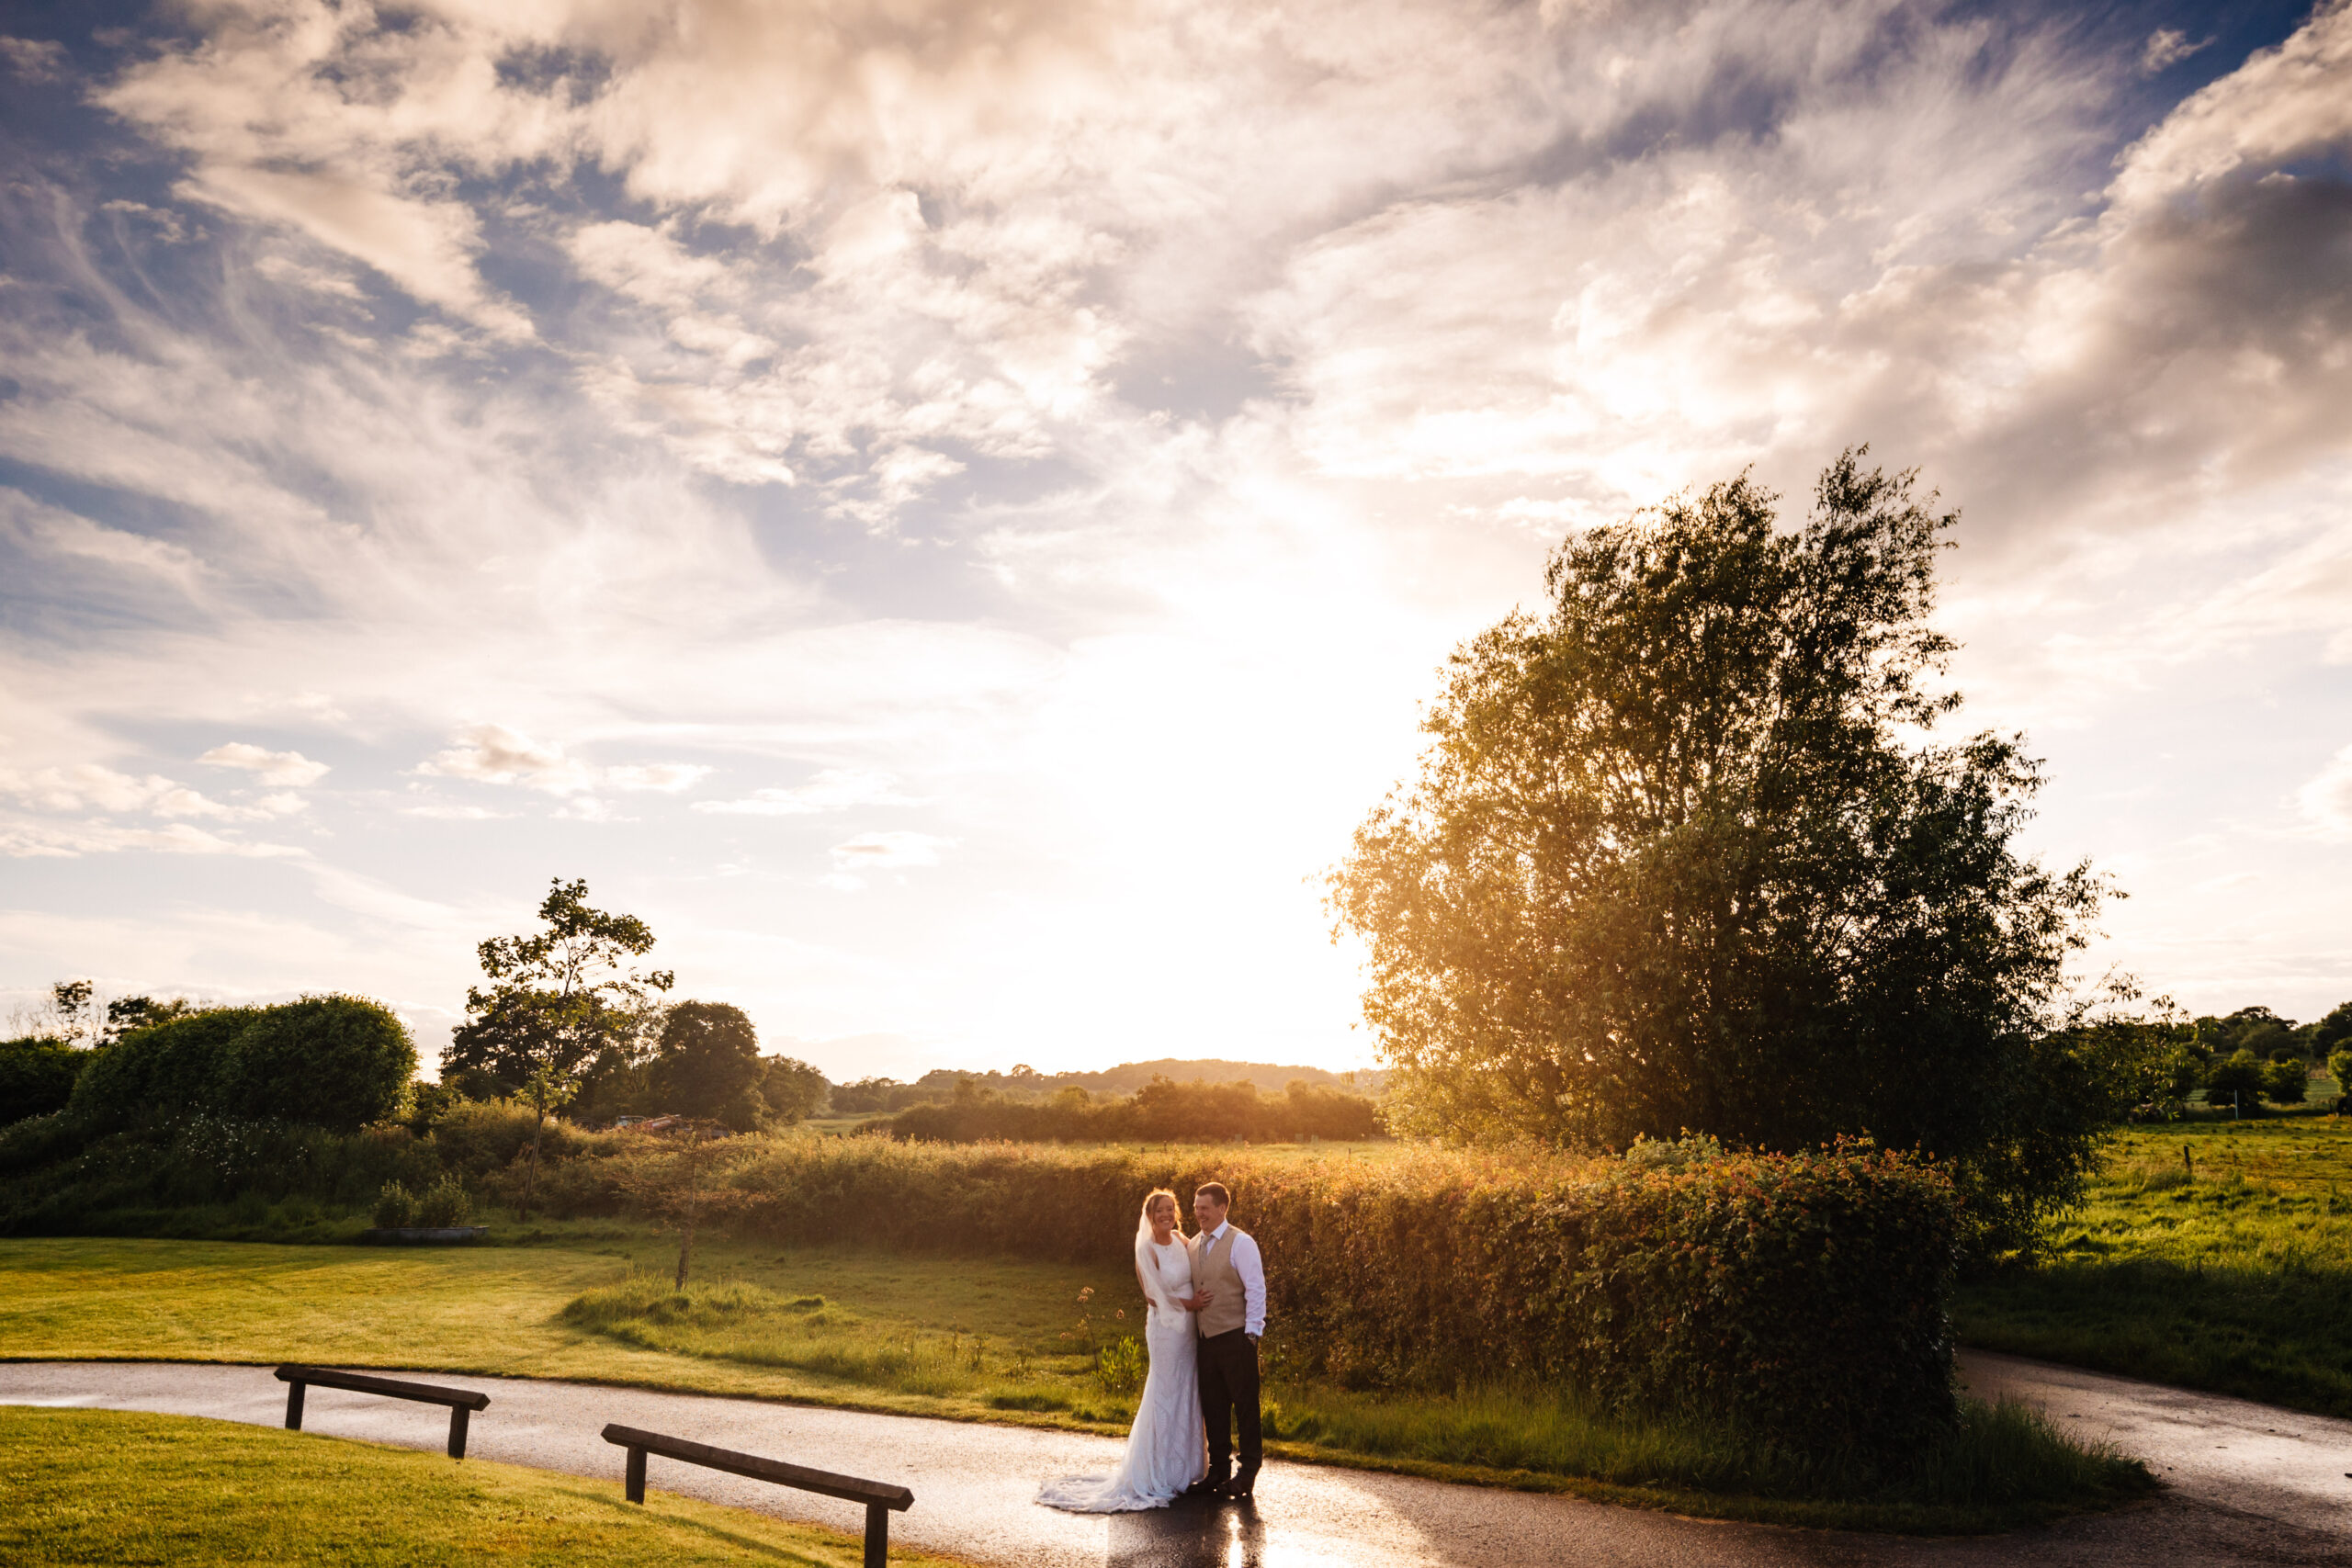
[{"x": 2236, "y": 1278}]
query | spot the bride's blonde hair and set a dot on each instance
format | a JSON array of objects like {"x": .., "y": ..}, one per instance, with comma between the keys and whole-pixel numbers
[{"x": 1143, "y": 1222}]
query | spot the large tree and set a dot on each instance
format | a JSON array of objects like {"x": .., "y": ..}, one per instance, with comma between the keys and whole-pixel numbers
[
  {"x": 1683, "y": 854},
  {"x": 710, "y": 1065},
  {"x": 557, "y": 999}
]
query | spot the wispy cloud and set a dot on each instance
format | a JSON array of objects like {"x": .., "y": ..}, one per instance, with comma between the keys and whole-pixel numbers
[
  {"x": 2327, "y": 800},
  {"x": 269, "y": 767},
  {"x": 888, "y": 851},
  {"x": 2167, "y": 47},
  {"x": 493, "y": 754},
  {"x": 828, "y": 789}
]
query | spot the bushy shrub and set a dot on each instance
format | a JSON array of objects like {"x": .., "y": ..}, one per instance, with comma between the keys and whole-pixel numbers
[
  {"x": 2236, "y": 1078},
  {"x": 1800, "y": 1298},
  {"x": 2339, "y": 1068},
  {"x": 479, "y": 1137},
  {"x": 37, "y": 1077},
  {"x": 338, "y": 1062},
  {"x": 1120, "y": 1367},
  {"x": 37, "y": 1141},
  {"x": 2285, "y": 1081},
  {"x": 169, "y": 1068},
  {"x": 395, "y": 1206},
  {"x": 444, "y": 1203},
  {"x": 334, "y": 1061}
]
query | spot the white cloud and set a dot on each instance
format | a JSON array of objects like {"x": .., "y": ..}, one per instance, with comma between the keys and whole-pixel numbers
[
  {"x": 2327, "y": 800},
  {"x": 62, "y": 839},
  {"x": 493, "y": 754},
  {"x": 664, "y": 778},
  {"x": 887, "y": 852},
  {"x": 2167, "y": 47},
  {"x": 34, "y": 60},
  {"x": 829, "y": 789},
  {"x": 270, "y": 767},
  {"x": 92, "y": 787},
  {"x": 451, "y": 811}
]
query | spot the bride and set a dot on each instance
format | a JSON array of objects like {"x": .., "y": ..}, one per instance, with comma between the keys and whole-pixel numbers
[{"x": 1165, "y": 1445}]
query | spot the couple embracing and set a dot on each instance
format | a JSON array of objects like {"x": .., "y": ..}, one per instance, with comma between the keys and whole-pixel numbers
[{"x": 1207, "y": 1299}]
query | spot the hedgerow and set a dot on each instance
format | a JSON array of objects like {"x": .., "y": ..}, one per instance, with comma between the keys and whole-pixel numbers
[{"x": 1800, "y": 1299}]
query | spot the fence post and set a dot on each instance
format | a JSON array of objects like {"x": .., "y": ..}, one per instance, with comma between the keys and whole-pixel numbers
[
  {"x": 458, "y": 1415},
  {"x": 637, "y": 1475},
  {"x": 293, "y": 1406},
  {"x": 878, "y": 1536}
]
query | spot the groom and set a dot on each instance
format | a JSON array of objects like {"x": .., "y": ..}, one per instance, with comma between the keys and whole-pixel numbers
[{"x": 1227, "y": 1267}]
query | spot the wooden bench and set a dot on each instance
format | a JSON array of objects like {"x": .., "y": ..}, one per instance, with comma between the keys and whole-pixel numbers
[
  {"x": 462, "y": 1402},
  {"x": 880, "y": 1499}
]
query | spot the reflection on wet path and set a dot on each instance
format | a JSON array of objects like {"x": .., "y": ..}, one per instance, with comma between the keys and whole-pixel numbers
[{"x": 1189, "y": 1536}]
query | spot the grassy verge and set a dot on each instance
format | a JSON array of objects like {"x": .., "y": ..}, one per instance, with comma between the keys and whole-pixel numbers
[
  {"x": 938, "y": 1338},
  {"x": 93, "y": 1486},
  {"x": 2228, "y": 1270}
]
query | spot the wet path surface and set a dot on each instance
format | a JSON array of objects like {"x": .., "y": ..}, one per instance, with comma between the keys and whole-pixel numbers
[{"x": 2237, "y": 1499}]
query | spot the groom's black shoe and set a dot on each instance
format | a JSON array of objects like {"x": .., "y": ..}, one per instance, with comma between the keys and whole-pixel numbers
[
  {"x": 1207, "y": 1487},
  {"x": 1241, "y": 1488}
]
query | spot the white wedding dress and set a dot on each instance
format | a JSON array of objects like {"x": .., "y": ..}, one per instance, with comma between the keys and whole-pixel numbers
[{"x": 1167, "y": 1447}]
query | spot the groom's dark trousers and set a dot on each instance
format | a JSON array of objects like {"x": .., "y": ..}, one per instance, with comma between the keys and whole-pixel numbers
[{"x": 1228, "y": 1369}]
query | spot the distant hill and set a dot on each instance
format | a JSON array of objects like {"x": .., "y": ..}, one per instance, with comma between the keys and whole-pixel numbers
[
  {"x": 874, "y": 1095},
  {"x": 1129, "y": 1077}
]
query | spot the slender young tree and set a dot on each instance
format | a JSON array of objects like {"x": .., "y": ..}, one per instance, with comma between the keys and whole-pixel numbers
[
  {"x": 679, "y": 1178},
  {"x": 555, "y": 997}
]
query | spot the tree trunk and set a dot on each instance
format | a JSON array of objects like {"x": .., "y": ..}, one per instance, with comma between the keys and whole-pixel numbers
[
  {"x": 686, "y": 1245},
  {"x": 531, "y": 1175}
]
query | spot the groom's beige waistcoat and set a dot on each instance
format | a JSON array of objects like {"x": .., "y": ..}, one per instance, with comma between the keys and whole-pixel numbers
[{"x": 1212, "y": 1269}]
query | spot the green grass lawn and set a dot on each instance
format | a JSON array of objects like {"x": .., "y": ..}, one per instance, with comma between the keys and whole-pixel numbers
[
  {"x": 499, "y": 1310},
  {"x": 2230, "y": 1270},
  {"x": 101, "y": 1486},
  {"x": 974, "y": 1340}
]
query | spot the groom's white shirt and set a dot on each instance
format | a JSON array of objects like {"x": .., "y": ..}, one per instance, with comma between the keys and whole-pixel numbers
[{"x": 1252, "y": 1269}]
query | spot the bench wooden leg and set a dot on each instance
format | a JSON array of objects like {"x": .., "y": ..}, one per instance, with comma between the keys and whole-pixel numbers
[
  {"x": 878, "y": 1536},
  {"x": 293, "y": 1406},
  {"x": 636, "y": 1475},
  {"x": 458, "y": 1415}
]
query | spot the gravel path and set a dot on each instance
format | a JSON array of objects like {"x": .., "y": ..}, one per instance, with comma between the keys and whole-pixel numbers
[{"x": 2251, "y": 1484}]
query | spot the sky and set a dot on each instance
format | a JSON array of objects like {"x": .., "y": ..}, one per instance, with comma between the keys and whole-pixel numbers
[{"x": 952, "y": 514}]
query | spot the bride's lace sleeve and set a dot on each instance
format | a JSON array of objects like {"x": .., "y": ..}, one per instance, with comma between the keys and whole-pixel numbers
[{"x": 1147, "y": 1276}]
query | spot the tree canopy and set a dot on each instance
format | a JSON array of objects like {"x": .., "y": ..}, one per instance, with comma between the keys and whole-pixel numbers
[
  {"x": 1682, "y": 853},
  {"x": 709, "y": 1065},
  {"x": 557, "y": 997}
]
